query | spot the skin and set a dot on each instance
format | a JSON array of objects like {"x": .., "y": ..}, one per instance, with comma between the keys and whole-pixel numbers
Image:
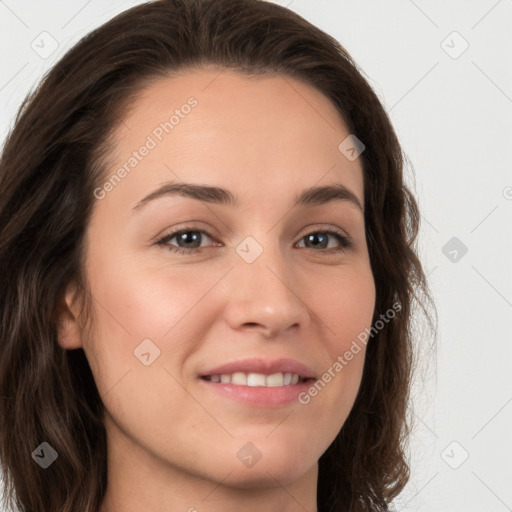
[{"x": 173, "y": 443}]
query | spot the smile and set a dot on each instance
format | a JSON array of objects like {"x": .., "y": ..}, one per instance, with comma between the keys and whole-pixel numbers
[{"x": 257, "y": 379}]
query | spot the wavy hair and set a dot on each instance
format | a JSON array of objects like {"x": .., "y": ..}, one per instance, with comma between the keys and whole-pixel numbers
[{"x": 53, "y": 159}]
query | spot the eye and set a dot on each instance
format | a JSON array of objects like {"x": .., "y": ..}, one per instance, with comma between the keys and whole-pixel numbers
[
  {"x": 187, "y": 236},
  {"x": 191, "y": 238},
  {"x": 321, "y": 239}
]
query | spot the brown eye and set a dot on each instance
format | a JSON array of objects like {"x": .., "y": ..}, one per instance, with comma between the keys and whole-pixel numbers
[
  {"x": 187, "y": 240},
  {"x": 320, "y": 239}
]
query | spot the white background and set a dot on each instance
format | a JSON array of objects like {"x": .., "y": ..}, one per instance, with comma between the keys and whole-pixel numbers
[{"x": 454, "y": 119}]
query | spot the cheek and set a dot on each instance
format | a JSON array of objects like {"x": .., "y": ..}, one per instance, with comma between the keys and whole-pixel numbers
[
  {"x": 345, "y": 305},
  {"x": 345, "y": 310},
  {"x": 133, "y": 305},
  {"x": 139, "y": 313}
]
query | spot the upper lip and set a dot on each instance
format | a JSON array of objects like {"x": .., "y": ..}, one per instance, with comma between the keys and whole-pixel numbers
[{"x": 263, "y": 366}]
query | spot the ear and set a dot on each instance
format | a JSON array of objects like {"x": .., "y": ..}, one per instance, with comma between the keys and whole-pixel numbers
[{"x": 68, "y": 325}]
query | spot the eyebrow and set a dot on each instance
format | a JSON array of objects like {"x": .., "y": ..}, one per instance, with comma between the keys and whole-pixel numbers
[{"x": 313, "y": 196}]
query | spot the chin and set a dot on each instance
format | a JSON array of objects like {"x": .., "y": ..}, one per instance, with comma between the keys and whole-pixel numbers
[
  {"x": 266, "y": 475},
  {"x": 265, "y": 464}
]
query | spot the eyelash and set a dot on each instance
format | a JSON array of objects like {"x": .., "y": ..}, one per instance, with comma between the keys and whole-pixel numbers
[{"x": 345, "y": 242}]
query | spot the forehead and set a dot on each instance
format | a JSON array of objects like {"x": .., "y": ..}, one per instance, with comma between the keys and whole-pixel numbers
[{"x": 260, "y": 134}]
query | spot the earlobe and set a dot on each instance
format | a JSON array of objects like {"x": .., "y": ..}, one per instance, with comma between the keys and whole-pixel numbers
[{"x": 68, "y": 326}]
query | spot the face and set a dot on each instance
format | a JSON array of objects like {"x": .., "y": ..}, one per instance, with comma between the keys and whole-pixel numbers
[{"x": 191, "y": 288}]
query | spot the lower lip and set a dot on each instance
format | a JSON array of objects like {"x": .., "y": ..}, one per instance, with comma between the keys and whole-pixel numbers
[{"x": 260, "y": 396}]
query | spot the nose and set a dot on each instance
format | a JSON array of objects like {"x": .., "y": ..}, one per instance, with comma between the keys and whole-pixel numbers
[{"x": 265, "y": 296}]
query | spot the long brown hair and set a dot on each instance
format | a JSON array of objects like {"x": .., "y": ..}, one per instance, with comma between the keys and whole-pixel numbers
[{"x": 53, "y": 160}]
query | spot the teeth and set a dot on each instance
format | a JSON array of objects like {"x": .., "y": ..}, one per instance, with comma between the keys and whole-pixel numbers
[
  {"x": 257, "y": 379},
  {"x": 238, "y": 378},
  {"x": 276, "y": 379}
]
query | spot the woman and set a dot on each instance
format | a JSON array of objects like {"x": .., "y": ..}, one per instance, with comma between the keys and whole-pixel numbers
[{"x": 266, "y": 367}]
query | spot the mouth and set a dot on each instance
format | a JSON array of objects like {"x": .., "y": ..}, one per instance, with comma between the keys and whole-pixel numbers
[
  {"x": 259, "y": 382},
  {"x": 273, "y": 380}
]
